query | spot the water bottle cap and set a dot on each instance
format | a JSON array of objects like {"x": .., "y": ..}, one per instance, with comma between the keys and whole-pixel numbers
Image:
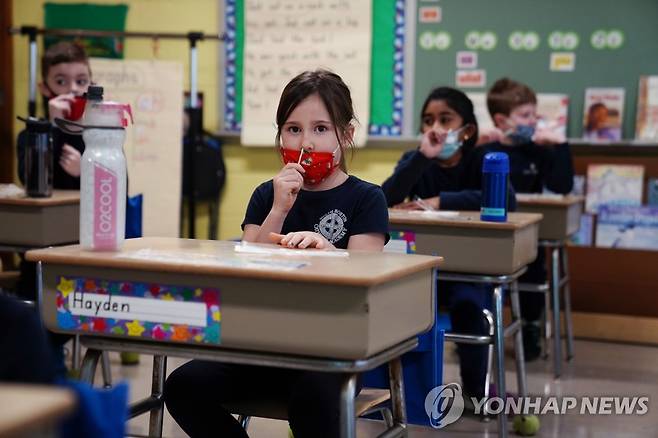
[
  {"x": 37, "y": 125},
  {"x": 496, "y": 162},
  {"x": 94, "y": 92}
]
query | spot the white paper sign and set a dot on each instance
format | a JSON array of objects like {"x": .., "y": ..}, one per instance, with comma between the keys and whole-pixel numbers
[
  {"x": 140, "y": 309},
  {"x": 284, "y": 38}
]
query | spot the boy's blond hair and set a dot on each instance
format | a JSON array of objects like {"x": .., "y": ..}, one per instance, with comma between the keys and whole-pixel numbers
[
  {"x": 60, "y": 53},
  {"x": 506, "y": 94}
]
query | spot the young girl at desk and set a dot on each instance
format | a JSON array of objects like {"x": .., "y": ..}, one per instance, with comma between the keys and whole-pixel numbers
[
  {"x": 311, "y": 203},
  {"x": 435, "y": 176}
]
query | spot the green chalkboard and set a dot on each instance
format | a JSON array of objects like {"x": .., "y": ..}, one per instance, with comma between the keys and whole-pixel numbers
[
  {"x": 387, "y": 73},
  {"x": 607, "y": 66}
]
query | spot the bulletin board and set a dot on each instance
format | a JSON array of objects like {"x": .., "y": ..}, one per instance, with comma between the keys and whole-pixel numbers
[
  {"x": 613, "y": 43},
  {"x": 387, "y": 66}
]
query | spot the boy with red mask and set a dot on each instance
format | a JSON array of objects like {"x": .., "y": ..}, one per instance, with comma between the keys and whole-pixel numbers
[{"x": 66, "y": 74}]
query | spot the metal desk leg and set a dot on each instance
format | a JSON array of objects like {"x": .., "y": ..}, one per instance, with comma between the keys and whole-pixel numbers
[
  {"x": 106, "y": 369},
  {"x": 499, "y": 355},
  {"x": 157, "y": 390},
  {"x": 76, "y": 353},
  {"x": 567, "y": 302},
  {"x": 547, "y": 324},
  {"x": 89, "y": 364},
  {"x": 399, "y": 409},
  {"x": 555, "y": 290},
  {"x": 518, "y": 341},
  {"x": 347, "y": 409}
]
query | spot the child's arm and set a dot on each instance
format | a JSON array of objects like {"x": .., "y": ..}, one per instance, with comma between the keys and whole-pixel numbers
[
  {"x": 302, "y": 240},
  {"x": 367, "y": 242},
  {"x": 287, "y": 184},
  {"x": 557, "y": 168},
  {"x": 406, "y": 174}
]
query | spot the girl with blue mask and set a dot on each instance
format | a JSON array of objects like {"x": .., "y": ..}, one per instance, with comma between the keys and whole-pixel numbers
[
  {"x": 449, "y": 132},
  {"x": 442, "y": 173}
]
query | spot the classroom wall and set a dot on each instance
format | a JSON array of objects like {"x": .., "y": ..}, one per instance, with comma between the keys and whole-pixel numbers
[{"x": 246, "y": 167}]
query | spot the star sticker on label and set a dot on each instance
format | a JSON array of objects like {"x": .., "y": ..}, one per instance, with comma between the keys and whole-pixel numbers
[
  {"x": 134, "y": 328},
  {"x": 65, "y": 286}
]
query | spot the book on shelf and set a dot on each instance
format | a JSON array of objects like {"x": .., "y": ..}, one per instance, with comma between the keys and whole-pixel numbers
[
  {"x": 604, "y": 114},
  {"x": 623, "y": 226},
  {"x": 613, "y": 184},
  {"x": 646, "y": 124},
  {"x": 652, "y": 192},
  {"x": 585, "y": 234}
]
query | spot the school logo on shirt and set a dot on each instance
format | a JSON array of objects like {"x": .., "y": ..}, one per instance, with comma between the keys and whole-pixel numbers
[
  {"x": 332, "y": 226},
  {"x": 532, "y": 170}
]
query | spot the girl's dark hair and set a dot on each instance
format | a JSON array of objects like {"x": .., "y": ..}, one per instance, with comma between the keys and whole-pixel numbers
[
  {"x": 590, "y": 114},
  {"x": 461, "y": 104},
  {"x": 334, "y": 94}
]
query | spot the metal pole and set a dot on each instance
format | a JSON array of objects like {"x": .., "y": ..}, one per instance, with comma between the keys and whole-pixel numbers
[
  {"x": 194, "y": 135},
  {"x": 31, "y": 31}
]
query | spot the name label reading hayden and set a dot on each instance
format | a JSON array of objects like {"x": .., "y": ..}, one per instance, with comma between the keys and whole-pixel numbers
[{"x": 82, "y": 303}]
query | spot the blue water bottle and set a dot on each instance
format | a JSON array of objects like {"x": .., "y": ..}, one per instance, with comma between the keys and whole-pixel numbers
[{"x": 495, "y": 180}]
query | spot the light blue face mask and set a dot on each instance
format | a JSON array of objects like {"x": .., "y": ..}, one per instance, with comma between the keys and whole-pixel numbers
[
  {"x": 451, "y": 145},
  {"x": 522, "y": 134}
]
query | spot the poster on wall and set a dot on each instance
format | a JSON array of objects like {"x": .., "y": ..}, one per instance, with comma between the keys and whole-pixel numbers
[
  {"x": 604, "y": 114},
  {"x": 286, "y": 37},
  {"x": 153, "y": 147}
]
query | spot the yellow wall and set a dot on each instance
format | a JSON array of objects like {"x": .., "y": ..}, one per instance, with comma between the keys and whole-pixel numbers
[{"x": 246, "y": 167}]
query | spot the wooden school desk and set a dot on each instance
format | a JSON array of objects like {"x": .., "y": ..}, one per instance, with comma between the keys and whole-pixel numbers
[
  {"x": 33, "y": 409},
  {"x": 240, "y": 303},
  {"x": 561, "y": 221},
  {"x": 39, "y": 222},
  {"x": 479, "y": 252}
]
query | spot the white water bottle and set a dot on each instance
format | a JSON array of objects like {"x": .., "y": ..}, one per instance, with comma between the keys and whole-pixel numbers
[{"x": 103, "y": 173}]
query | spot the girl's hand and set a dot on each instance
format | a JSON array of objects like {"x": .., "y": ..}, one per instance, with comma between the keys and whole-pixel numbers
[
  {"x": 70, "y": 160},
  {"x": 287, "y": 184},
  {"x": 490, "y": 135},
  {"x": 302, "y": 240},
  {"x": 60, "y": 106},
  {"x": 425, "y": 204},
  {"x": 431, "y": 144}
]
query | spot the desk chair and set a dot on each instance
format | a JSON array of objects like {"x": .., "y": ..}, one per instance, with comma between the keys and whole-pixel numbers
[
  {"x": 496, "y": 339},
  {"x": 559, "y": 282}
]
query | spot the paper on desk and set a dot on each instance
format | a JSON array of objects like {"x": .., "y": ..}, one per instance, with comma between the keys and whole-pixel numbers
[
  {"x": 247, "y": 248},
  {"x": 439, "y": 214},
  {"x": 204, "y": 259},
  {"x": 538, "y": 196}
]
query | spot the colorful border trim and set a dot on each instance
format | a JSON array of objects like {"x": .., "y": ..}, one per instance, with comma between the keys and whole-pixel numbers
[
  {"x": 408, "y": 236},
  {"x": 230, "y": 72},
  {"x": 211, "y": 334},
  {"x": 395, "y": 129}
]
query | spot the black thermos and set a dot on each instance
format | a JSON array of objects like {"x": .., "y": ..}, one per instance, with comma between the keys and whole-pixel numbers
[{"x": 38, "y": 159}]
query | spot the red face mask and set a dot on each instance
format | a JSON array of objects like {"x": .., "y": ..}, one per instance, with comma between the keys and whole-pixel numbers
[{"x": 318, "y": 165}]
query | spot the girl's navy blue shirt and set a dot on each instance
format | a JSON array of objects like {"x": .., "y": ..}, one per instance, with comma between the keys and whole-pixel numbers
[
  {"x": 459, "y": 187},
  {"x": 354, "y": 207}
]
